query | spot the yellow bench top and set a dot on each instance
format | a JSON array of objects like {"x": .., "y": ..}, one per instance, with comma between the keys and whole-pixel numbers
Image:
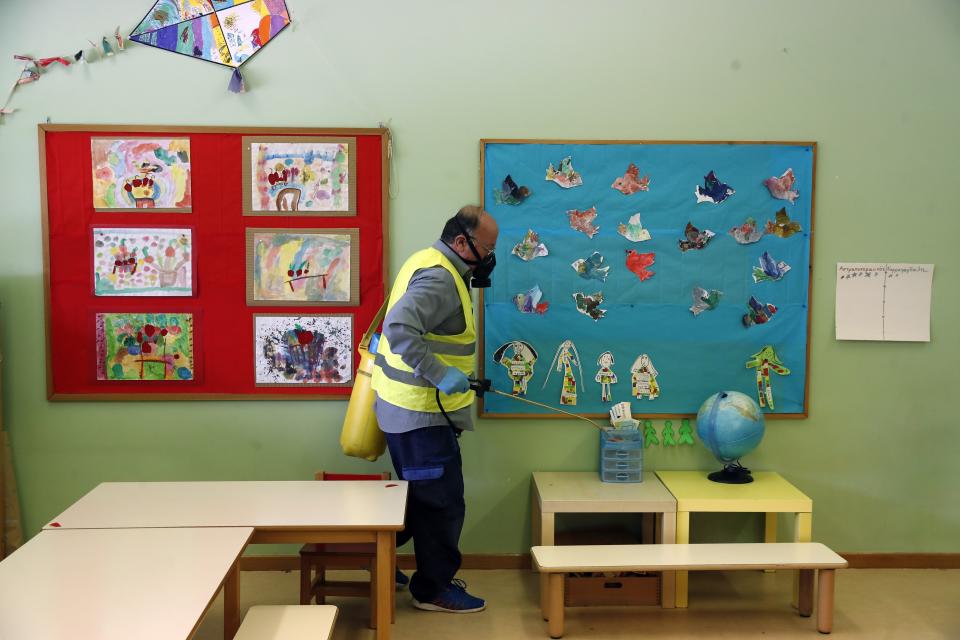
[{"x": 768, "y": 493}]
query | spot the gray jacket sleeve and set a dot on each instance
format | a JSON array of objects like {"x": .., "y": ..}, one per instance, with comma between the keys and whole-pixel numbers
[{"x": 430, "y": 302}]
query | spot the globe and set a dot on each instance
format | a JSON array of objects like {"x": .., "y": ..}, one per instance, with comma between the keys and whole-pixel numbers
[{"x": 730, "y": 425}]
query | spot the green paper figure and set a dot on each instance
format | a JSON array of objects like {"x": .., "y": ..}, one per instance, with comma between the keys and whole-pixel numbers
[
  {"x": 686, "y": 433},
  {"x": 668, "y": 440},
  {"x": 649, "y": 434}
]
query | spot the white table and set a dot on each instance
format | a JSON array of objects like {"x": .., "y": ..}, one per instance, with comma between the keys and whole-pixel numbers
[
  {"x": 115, "y": 584},
  {"x": 279, "y": 512}
]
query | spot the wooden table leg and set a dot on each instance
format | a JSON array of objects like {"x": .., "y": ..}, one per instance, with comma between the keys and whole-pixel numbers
[
  {"x": 805, "y": 605},
  {"x": 231, "y": 602},
  {"x": 386, "y": 547},
  {"x": 683, "y": 537},
  {"x": 802, "y": 532},
  {"x": 668, "y": 579},
  {"x": 555, "y": 611},
  {"x": 770, "y": 531},
  {"x": 542, "y": 533},
  {"x": 825, "y": 601}
]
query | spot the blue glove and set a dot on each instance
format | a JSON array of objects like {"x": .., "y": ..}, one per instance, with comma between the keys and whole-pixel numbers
[{"x": 453, "y": 381}]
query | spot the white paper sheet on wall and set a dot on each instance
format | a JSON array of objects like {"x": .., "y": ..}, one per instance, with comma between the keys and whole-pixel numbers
[{"x": 881, "y": 301}]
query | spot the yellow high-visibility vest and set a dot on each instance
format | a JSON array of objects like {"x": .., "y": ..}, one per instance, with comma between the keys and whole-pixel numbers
[{"x": 393, "y": 380}]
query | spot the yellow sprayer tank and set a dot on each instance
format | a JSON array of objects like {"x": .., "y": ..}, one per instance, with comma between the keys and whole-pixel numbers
[{"x": 361, "y": 436}]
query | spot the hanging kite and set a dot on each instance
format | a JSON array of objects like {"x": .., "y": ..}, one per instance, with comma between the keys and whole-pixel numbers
[
  {"x": 764, "y": 361},
  {"x": 226, "y": 32}
]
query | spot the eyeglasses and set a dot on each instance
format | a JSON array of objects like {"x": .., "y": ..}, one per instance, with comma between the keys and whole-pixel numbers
[{"x": 488, "y": 248}]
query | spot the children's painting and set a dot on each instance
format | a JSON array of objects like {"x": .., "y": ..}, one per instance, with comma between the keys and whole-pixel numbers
[
  {"x": 141, "y": 173},
  {"x": 308, "y": 350},
  {"x": 142, "y": 262},
  {"x": 299, "y": 176},
  {"x": 294, "y": 267},
  {"x": 145, "y": 346}
]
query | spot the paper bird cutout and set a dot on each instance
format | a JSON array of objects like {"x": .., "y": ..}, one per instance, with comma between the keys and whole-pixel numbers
[
  {"x": 784, "y": 227},
  {"x": 764, "y": 361},
  {"x": 529, "y": 301},
  {"x": 780, "y": 188},
  {"x": 565, "y": 176},
  {"x": 530, "y": 247},
  {"x": 758, "y": 313},
  {"x": 694, "y": 238},
  {"x": 582, "y": 221},
  {"x": 713, "y": 190},
  {"x": 510, "y": 193},
  {"x": 632, "y": 230},
  {"x": 591, "y": 268},
  {"x": 638, "y": 263},
  {"x": 769, "y": 269},
  {"x": 631, "y": 182},
  {"x": 746, "y": 233},
  {"x": 590, "y": 305},
  {"x": 704, "y": 300}
]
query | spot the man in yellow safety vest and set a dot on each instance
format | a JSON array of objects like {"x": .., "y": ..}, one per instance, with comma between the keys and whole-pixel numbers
[{"x": 429, "y": 343}]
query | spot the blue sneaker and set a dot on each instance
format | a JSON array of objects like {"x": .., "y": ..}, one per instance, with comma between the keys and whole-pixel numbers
[
  {"x": 453, "y": 599},
  {"x": 402, "y": 580}
]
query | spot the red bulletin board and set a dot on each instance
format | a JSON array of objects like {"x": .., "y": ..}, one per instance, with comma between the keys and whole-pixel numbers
[{"x": 223, "y": 323}]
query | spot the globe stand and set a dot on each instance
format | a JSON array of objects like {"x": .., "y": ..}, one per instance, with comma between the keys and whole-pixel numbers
[{"x": 732, "y": 473}]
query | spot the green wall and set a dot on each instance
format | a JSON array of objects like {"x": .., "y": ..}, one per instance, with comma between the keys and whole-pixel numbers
[{"x": 875, "y": 82}]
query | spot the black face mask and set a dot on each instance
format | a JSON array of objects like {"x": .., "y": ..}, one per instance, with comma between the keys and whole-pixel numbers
[{"x": 482, "y": 267}]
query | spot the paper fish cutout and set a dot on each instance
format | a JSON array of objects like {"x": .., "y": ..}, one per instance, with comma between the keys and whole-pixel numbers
[
  {"x": 590, "y": 305},
  {"x": 518, "y": 358},
  {"x": 759, "y": 313},
  {"x": 769, "y": 269},
  {"x": 694, "y": 238},
  {"x": 510, "y": 193},
  {"x": 564, "y": 176},
  {"x": 631, "y": 182},
  {"x": 565, "y": 359},
  {"x": 746, "y": 233},
  {"x": 780, "y": 188},
  {"x": 582, "y": 221},
  {"x": 644, "y": 378},
  {"x": 605, "y": 375},
  {"x": 591, "y": 268},
  {"x": 530, "y": 247},
  {"x": 713, "y": 190},
  {"x": 529, "y": 301},
  {"x": 632, "y": 230},
  {"x": 704, "y": 300},
  {"x": 638, "y": 263},
  {"x": 784, "y": 227},
  {"x": 764, "y": 361}
]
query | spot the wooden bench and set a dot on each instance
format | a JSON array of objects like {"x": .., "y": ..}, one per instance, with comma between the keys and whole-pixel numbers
[
  {"x": 288, "y": 622},
  {"x": 556, "y": 561}
]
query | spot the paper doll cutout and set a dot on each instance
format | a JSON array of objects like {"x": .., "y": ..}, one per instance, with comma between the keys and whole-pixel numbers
[
  {"x": 632, "y": 230},
  {"x": 704, "y": 300},
  {"x": 649, "y": 434},
  {"x": 713, "y": 190},
  {"x": 605, "y": 375},
  {"x": 564, "y": 176},
  {"x": 590, "y": 305},
  {"x": 582, "y": 221},
  {"x": 644, "y": 378},
  {"x": 565, "y": 359},
  {"x": 667, "y": 434},
  {"x": 631, "y": 182},
  {"x": 784, "y": 227},
  {"x": 529, "y": 301},
  {"x": 746, "y": 233},
  {"x": 638, "y": 263},
  {"x": 518, "y": 358},
  {"x": 591, "y": 268},
  {"x": 769, "y": 269},
  {"x": 780, "y": 188},
  {"x": 510, "y": 193},
  {"x": 530, "y": 247},
  {"x": 686, "y": 432},
  {"x": 763, "y": 361},
  {"x": 694, "y": 238},
  {"x": 759, "y": 313}
]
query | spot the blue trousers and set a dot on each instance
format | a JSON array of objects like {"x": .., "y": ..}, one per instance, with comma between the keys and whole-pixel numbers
[{"x": 429, "y": 460}]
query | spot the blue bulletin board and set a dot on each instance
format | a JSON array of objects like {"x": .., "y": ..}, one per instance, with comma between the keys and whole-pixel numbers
[{"x": 714, "y": 187}]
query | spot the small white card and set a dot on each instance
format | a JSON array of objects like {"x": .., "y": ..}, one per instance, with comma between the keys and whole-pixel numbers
[{"x": 882, "y": 301}]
